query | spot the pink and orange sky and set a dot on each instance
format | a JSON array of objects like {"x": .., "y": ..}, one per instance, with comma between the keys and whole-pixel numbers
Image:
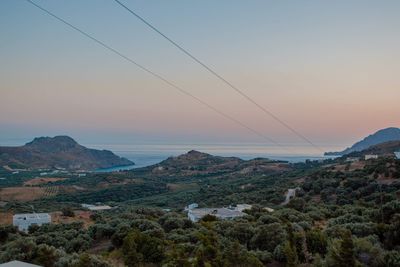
[{"x": 329, "y": 69}]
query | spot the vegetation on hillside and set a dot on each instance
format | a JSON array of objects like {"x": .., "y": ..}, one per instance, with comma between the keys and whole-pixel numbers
[{"x": 344, "y": 214}]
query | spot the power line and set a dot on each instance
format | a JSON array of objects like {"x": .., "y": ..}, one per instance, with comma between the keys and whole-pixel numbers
[
  {"x": 158, "y": 76},
  {"x": 266, "y": 111}
]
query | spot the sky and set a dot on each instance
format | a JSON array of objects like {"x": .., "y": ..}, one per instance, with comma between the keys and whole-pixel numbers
[{"x": 330, "y": 69}]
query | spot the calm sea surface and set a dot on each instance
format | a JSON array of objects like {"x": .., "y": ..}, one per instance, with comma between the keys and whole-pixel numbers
[{"x": 148, "y": 154}]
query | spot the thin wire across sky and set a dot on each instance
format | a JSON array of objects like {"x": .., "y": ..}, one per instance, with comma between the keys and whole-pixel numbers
[
  {"x": 158, "y": 76},
  {"x": 224, "y": 80}
]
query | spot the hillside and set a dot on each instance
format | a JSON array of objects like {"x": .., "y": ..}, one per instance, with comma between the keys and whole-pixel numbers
[
  {"x": 381, "y": 136},
  {"x": 58, "y": 152},
  {"x": 334, "y": 202},
  {"x": 198, "y": 163},
  {"x": 384, "y": 149}
]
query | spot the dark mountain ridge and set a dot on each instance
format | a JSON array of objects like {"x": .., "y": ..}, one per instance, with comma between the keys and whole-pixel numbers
[
  {"x": 381, "y": 136},
  {"x": 59, "y": 152},
  {"x": 386, "y": 149},
  {"x": 199, "y": 163}
]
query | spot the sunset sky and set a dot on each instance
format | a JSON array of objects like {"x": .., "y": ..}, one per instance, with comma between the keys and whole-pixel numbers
[{"x": 330, "y": 69}]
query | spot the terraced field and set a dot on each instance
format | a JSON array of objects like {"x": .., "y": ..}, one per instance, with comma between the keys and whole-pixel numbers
[{"x": 27, "y": 193}]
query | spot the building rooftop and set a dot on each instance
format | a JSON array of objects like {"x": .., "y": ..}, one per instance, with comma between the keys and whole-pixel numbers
[
  {"x": 218, "y": 212},
  {"x": 18, "y": 264},
  {"x": 25, "y": 216},
  {"x": 104, "y": 207}
]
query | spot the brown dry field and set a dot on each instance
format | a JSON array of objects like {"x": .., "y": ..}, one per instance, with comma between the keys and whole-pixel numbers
[
  {"x": 80, "y": 216},
  {"x": 359, "y": 165},
  {"x": 5, "y": 218},
  {"x": 39, "y": 181},
  {"x": 178, "y": 187},
  {"x": 23, "y": 193}
]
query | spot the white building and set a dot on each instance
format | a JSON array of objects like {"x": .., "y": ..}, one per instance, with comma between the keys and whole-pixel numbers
[
  {"x": 96, "y": 208},
  {"x": 191, "y": 206},
  {"x": 242, "y": 207},
  {"x": 18, "y": 264},
  {"x": 221, "y": 213},
  {"x": 269, "y": 209},
  {"x": 352, "y": 159},
  {"x": 370, "y": 156},
  {"x": 23, "y": 221},
  {"x": 397, "y": 154}
]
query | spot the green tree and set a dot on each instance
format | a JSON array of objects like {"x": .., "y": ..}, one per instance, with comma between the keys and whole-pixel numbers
[
  {"x": 316, "y": 241},
  {"x": 129, "y": 249},
  {"x": 290, "y": 248},
  {"x": 138, "y": 247},
  {"x": 267, "y": 237},
  {"x": 235, "y": 255},
  {"x": 207, "y": 252},
  {"x": 342, "y": 251},
  {"x": 67, "y": 211},
  {"x": 47, "y": 255},
  {"x": 290, "y": 254}
]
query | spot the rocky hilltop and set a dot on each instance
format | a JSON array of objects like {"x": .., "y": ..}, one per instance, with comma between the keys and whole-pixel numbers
[
  {"x": 381, "y": 136},
  {"x": 58, "y": 152},
  {"x": 199, "y": 163},
  {"x": 385, "y": 149}
]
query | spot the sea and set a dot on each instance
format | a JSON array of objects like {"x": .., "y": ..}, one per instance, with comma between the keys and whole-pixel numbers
[{"x": 148, "y": 154}]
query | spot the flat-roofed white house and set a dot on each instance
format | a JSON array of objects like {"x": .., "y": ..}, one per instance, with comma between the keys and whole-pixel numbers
[
  {"x": 370, "y": 156},
  {"x": 221, "y": 213},
  {"x": 397, "y": 154},
  {"x": 352, "y": 159},
  {"x": 18, "y": 264},
  {"x": 23, "y": 221},
  {"x": 99, "y": 208},
  {"x": 96, "y": 207},
  {"x": 192, "y": 206}
]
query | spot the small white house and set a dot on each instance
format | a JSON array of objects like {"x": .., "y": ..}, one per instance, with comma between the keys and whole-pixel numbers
[
  {"x": 352, "y": 159},
  {"x": 397, "y": 154},
  {"x": 18, "y": 264},
  {"x": 99, "y": 208},
  {"x": 96, "y": 207},
  {"x": 370, "y": 156},
  {"x": 221, "y": 213},
  {"x": 269, "y": 209},
  {"x": 192, "y": 206},
  {"x": 23, "y": 221}
]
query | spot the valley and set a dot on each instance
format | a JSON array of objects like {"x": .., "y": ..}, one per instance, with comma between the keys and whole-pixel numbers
[{"x": 332, "y": 198}]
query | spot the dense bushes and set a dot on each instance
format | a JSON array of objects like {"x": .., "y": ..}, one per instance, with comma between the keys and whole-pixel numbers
[{"x": 338, "y": 218}]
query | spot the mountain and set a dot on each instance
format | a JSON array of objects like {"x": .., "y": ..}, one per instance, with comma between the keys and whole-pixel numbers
[
  {"x": 381, "y": 136},
  {"x": 199, "y": 163},
  {"x": 383, "y": 149},
  {"x": 58, "y": 152}
]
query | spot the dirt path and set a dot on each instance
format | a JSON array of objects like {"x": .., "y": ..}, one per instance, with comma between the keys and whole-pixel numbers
[{"x": 291, "y": 193}]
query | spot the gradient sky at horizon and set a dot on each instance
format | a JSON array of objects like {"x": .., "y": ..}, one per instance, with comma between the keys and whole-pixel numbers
[{"x": 329, "y": 69}]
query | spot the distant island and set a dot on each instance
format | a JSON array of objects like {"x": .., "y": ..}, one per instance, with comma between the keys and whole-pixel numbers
[
  {"x": 381, "y": 136},
  {"x": 59, "y": 152}
]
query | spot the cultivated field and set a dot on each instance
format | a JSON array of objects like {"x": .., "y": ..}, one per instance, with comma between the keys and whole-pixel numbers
[
  {"x": 5, "y": 218},
  {"x": 40, "y": 181},
  {"x": 80, "y": 216},
  {"x": 24, "y": 193}
]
